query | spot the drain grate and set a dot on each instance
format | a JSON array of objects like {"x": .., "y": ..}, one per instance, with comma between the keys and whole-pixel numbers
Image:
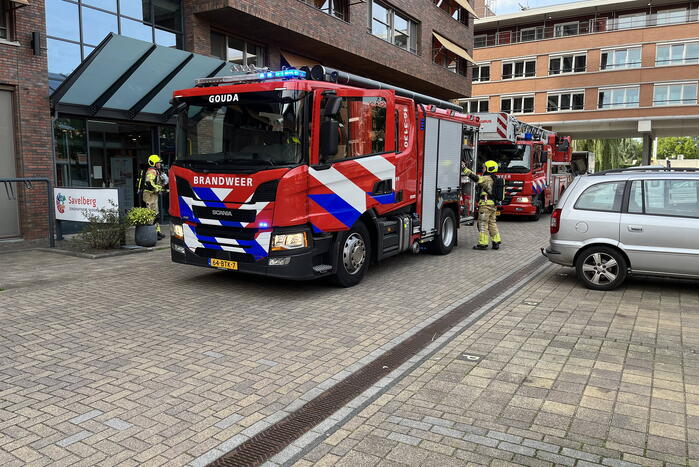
[{"x": 275, "y": 438}]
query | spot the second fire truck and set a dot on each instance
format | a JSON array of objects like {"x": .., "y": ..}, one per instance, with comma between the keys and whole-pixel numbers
[
  {"x": 285, "y": 176},
  {"x": 535, "y": 163}
]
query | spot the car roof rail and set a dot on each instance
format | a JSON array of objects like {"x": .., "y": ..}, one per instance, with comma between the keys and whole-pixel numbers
[{"x": 647, "y": 168}]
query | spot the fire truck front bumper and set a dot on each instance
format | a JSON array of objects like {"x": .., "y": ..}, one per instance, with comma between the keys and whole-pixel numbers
[
  {"x": 307, "y": 263},
  {"x": 519, "y": 209}
]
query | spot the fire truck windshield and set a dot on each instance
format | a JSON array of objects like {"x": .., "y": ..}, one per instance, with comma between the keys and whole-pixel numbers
[
  {"x": 256, "y": 129},
  {"x": 510, "y": 157}
]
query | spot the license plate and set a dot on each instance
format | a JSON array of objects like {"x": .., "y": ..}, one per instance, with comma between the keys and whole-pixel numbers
[{"x": 223, "y": 263}]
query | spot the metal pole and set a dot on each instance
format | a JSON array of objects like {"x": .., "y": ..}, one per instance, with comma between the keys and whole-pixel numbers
[{"x": 52, "y": 220}]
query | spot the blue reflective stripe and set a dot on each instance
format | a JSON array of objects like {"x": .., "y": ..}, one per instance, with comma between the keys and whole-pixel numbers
[
  {"x": 338, "y": 207},
  {"x": 388, "y": 198}
]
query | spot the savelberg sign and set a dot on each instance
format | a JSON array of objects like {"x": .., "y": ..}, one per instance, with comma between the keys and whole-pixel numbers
[{"x": 72, "y": 204}]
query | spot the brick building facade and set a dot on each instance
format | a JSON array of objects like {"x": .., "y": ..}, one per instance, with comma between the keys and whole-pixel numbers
[
  {"x": 23, "y": 76},
  {"x": 395, "y": 42}
]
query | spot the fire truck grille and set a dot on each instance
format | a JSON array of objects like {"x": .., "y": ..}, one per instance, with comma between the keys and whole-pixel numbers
[{"x": 234, "y": 233}]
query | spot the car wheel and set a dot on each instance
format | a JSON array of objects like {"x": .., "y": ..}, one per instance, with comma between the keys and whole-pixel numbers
[
  {"x": 601, "y": 268},
  {"x": 445, "y": 241},
  {"x": 353, "y": 256}
]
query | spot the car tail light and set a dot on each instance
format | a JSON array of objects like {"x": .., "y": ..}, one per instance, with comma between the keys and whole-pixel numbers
[{"x": 556, "y": 221}]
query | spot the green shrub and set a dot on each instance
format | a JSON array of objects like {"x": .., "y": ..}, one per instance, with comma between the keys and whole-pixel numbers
[
  {"x": 104, "y": 230},
  {"x": 140, "y": 216}
]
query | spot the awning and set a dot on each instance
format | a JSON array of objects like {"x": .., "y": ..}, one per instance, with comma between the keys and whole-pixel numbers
[
  {"x": 297, "y": 61},
  {"x": 22, "y": 2},
  {"x": 449, "y": 45},
  {"x": 128, "y": 79},
  {"x": 467, "y": 6}
]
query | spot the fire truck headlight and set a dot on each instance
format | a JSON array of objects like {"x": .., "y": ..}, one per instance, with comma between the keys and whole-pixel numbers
[
  {"x": 177, "y": 231},
  {"x": 523, "y": 199},
  {"x": 281, "y": 242}
]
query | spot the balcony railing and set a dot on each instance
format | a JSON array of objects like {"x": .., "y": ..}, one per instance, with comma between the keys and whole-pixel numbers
[{"x": 593, "y": 26}]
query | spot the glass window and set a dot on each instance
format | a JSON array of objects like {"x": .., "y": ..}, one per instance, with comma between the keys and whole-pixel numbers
[
  {"x": 71, "y": 152},
  {"x": 138, "y": 9},
  {"x": 678, "y": 198},
  {"x": 136, "y": 29},
  {"x": 4, "y": 22},
  {"x": 475, "y": 106},
  {"x": 237, "y": 50},
  {"x": 568, "y": 64},
  {"x": 636, "y": 198},
  {"x": 677, "y": 54},
  {"x": 519, "y": 104},
  {"x": 62, "y": 20},
  {"x": 531, "y": 34},
  {"x": 605, "y": 197},
  {"x": 63, "y": 56},
  {"x": 567, "y": 29},
  {"x": 675, "y": 16},
  {"x": 675, "y": 94},
  {"x": 619, "y": 98},
  {"x": 97, "y": 24},
  {"x": 110, "y": 5},
  {"x": 635, "y": 20},
  {"x": 519, "y": 69},
  {"x": 167, "y": 14},
  {"x": 621, "y": 58},
  {"x": 362, "y": 127},
  {"x": 337, "y": 8},
  {"x": 167, "y": 38},
  {"x": 391, "y": 26},
  {"x": 481, "y": 73},
  {"x": 567, "y": 101}
]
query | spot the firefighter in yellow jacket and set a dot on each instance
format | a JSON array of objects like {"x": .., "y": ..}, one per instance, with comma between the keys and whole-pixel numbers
[
  {"x": 153, "y": 185},
  {"x": 487, "y": 210}
]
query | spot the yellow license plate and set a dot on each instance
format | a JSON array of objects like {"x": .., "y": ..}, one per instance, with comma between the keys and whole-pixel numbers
[{"x": 223, "y": 263}]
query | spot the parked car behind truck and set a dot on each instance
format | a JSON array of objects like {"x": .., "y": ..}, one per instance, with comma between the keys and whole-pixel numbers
[{"x": 630, "y": 221}]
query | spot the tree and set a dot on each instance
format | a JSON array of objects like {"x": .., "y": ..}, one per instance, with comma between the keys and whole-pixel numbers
[
  {"x": 670, "y": 148},
  {"x": 612, "y": 153}
]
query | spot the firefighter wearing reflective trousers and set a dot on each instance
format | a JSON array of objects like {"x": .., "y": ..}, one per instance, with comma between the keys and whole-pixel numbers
[
  {"x": 152, "y": 187},
  {"x": 487, "y": 207}
]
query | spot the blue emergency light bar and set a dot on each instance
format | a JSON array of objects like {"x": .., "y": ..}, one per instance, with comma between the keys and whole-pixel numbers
[{"x": 250, "y": 77}]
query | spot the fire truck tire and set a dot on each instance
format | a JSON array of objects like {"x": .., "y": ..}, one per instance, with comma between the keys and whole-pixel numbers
[
  {"x": 539, "y": 208},
  {"x": 445, "y": 241},
  {"x": 354, "y": 255}
]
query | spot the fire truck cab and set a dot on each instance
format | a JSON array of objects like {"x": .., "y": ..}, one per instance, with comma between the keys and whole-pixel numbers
[
  {"x": 535, "y": 163},
  {"x": 301, "y": 174}
]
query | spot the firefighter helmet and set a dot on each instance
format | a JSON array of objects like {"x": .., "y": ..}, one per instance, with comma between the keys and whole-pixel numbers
[
  {"x": 491, "y": 166},
  {"x": 154, "y": 159}
]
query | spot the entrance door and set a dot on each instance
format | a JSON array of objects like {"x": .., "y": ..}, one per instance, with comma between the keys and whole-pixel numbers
[{"x": 9, "y": 211}]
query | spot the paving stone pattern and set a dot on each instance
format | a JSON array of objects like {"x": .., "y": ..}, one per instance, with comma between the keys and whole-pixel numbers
[
  {"x": 570, "y": 377},
  {"x": 135, "y": 360}
]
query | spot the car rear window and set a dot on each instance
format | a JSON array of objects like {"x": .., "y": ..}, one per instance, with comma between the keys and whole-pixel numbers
[
  {"x": 605, "y": 197},
  {"x": 676, "y": 198}
]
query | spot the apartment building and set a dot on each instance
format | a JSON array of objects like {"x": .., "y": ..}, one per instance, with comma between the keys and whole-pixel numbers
[
  {"x": 85, "y": 85},
  {"x": 593, "y": 69}
]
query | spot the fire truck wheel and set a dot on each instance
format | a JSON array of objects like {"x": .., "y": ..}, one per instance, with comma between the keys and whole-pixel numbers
[
  {"x": 538, "y": 204},
  {"x": 445, "y": 241},
  {"x": 354, "y": 254}
]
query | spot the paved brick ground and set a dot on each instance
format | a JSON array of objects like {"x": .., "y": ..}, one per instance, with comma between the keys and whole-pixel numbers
[
  {"x": 135, "y": 360},
  {"x": 569, "y": 377}
]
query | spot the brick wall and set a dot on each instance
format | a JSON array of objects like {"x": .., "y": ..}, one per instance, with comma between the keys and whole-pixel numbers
[
  {"x": 299, "y": 28},
  {"x": 27, "y": 74}
]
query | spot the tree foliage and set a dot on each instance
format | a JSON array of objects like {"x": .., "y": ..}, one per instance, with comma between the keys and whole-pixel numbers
[
  {"x": 612, "y": 153},
  {"x": 670, "y": 148}
]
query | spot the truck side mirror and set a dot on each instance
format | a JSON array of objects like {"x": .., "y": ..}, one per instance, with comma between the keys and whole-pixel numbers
[
  {"x": 544, "y": 157},
  {"x": 329, "y": 138},
  {"x": 332, "y": 106},
  {"x": 563, "y": 145}
]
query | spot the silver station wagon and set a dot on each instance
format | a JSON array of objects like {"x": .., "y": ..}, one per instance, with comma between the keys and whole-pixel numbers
[{"x": 641, "y": 221}]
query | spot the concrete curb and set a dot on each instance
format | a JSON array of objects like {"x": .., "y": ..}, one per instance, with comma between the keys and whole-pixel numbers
[{"x": 120, "y": 252}]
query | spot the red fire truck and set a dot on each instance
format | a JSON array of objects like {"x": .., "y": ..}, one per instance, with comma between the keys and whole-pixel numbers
[
  {"x": 535, "y": 163},
  {"x": 305, "y": 173}
]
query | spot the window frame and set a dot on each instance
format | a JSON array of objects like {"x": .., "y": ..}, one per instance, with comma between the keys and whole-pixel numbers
[
  {"x": 615, "y": 66},
  {"x": 643, "y": 182},
  {"x": 684, "y": 60},
  {"x": 246, "y": 43},
  {"x": 477, "y": 101},
  {"x": 559, "y": 96},
  {"x": 633, "y": 24},
  {"x": 332, "y": 9},
  {"x": 670, "y": 11},
  {"x": 480, "y": 77},
  {"x": 7, "y": 16},
  {"x": 512, "y": 104},
  {"x": 413, "y": 26},
  {"x": 612, "y": 106},
  {"x": 574, "y": 56},
  {"x": 513, "y": 63},
  {"x": 539, "y": 33},
  {"x": 669, "y": 103},
  {"x": 562, "y": 27},
  {"x": 623, "y": 203}
]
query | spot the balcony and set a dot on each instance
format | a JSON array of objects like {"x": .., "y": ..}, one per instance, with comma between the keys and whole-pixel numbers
[{"x": 592, "y": 26}]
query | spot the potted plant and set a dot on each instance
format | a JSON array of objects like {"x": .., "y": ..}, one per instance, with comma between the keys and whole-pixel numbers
[{"x": 143, "y": 219}]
